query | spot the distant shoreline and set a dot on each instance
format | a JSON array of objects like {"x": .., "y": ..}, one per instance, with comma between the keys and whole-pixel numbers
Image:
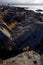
[
  {"x": 23, "y": 4},
  {"x": 28, "y": 6}
]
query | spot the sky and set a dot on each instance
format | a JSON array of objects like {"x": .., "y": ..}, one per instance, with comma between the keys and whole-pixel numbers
[{"x": 23, "y": 1}]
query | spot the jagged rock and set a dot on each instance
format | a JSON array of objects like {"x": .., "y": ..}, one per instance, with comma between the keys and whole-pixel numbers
[{"x": 26, "y": 58}]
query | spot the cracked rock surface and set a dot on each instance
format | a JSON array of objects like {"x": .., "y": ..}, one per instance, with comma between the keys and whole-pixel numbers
[{"x": 26, "y": 58}]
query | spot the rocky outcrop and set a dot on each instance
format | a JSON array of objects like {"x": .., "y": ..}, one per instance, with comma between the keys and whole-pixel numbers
[{"x": 26, "y": 58}]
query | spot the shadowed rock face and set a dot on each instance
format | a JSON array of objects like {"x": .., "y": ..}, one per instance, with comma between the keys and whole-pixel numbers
[
  {"x": 25, "y": 34},
  {"x": 26, "y": 58},
  {"x": 42, "y": 59}
]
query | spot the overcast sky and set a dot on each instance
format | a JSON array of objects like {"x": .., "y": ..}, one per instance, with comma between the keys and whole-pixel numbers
[{"x": 23, "y": 1}]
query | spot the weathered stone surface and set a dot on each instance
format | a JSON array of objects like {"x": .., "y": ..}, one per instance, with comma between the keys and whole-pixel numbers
[{"x": 26, "y": 58}]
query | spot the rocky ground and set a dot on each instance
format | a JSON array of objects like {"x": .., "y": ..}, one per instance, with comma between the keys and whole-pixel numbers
[
  {"x": 11, "y": 15},
  {"x": 26, "y": 58}
]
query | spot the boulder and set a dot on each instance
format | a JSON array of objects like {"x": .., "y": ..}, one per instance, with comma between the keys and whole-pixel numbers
[{"x": 26, "y": 58}]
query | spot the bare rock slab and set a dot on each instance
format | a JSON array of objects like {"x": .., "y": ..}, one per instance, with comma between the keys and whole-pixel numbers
[{"x": 26, "y": 58}]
